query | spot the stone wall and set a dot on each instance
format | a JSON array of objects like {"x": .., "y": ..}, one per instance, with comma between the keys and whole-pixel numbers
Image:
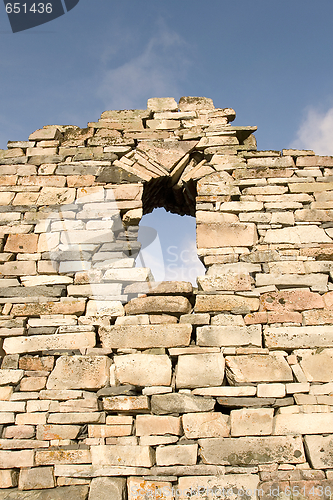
[{"x": 115, "y": 387}]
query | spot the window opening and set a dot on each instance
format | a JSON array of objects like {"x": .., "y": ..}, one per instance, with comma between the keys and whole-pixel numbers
[{"x": 168, "y": 246}]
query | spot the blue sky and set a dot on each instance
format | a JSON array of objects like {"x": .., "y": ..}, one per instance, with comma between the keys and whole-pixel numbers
[{"x": 270, "y": 61}]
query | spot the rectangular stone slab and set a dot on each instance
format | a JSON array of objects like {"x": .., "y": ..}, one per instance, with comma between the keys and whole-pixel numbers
[
  {"x": 226, "y": 235},
  {"x": 252, "y": 450},
  {"x": 129, "y": 455},
  {"x": 251, "y": 368},
  {"x": 225, "y": 336},
  {"x": 300, "y": 337},
  {"x": 145, "y": 336},
  {"x": 320, "y": 451},
  {"x": 36, "y": 343},
  {"x": 236, "y": 486}
]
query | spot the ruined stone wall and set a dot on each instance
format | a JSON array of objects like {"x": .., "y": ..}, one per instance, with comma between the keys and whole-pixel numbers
[{"x": 115, "y": 387}]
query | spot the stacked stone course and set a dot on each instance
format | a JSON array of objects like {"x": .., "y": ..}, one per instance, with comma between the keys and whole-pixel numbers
[{"x": 113, "y": 386}]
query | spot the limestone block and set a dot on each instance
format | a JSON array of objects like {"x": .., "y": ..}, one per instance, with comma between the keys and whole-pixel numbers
[
  {"x": 124, "y": 275},
  {"x": 158, "y": 104},
  {"x": 140, "y": 489},
  {"x": 271, "y": 390},
  {"x": 143, "y": 369},
  {"x": 298, "y": 337},
  {"x": 271, "y": 162},
  {"x": 10, "y": 377},
  {"x": 303, "y": 423},
  {"x": 43, "y": 134},
  {"x": 200, "y": 370},
  {"x": 251, "y": 421},
  {"x": 55, "y": 196},
  {"x": 107, "y": 488},
  {"x": 20, "y": 243},
  {"x": 297, "y": 235},
  {"x": 105, "y": 431},
  {"x": 49, "y": 431},
  {"x": 318, "y": 317},
  {"x": 318, "y": 367},
  {"x": 18, "y": 268},
  {"x": 51, "y": 457},
  {"x": 80, "y": 372},
  {"x": 158, "y": 304},
  {"x": 112, "y": 308},
  {"x": 127, "y": 404},
  {"x": 252, "y": 450},
  {"x": 189, "y": 103},
  {"x": 316, "y": 281},
  {"x": 234, "y": 485},
  {"x": 91, "y": 417},
  {"x": 145, "y": 336},
  {"x": 227, "y": 320},
  {"x": 79, "y": 492},
  {"x": 12, "y": 459},
  {"x": 314, "y": 161},
  {"x": 32, "y": 383},
  {"x": 86, "y": 236},
  {"x": 226, "y": 391},
  {"x": 251, "y": 368},
  {"x": 291, "y": 300},
  {"x": 226, "y": 234},
  {"x": 36, "y": 343},
  {"x": 125, "y": 455},
  {"x": 177, "y": 454},
  {"x": 227, "y": 282},
  {"x": 147, "y": 425},
  {"x": 19, "y": 432},
  {"x": 220, "y": 303},
  {"x": 205, "y": 425},
  {"x": 8, "y": 478},
  {"x": 226, "y": 336},
  {"x": 36, "y": 478},
  {"x": 100, "y": 289},
  {"x": 160, "y": 287},
  {"x": 71, "y": 306},
  {"x": 319, "y": 450},
  {"x": 176, "y": 402}
]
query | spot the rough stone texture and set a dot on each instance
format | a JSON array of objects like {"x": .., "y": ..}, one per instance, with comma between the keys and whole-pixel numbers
[
  {"x": 252, "y": 450},
  {"x": 127, "y": 455},
  {"x": 36, "y": 478},
  {"x": 225, "y": 336},
  {"x": 319, "y": 449},
  {"x": 254, "y": 421},
  {"x": 60, "y": 493},
  {"x": 205, "y": 425},
  {"x": 143, "y": 337},
  {"x": 241, "y": 370},
  {"x": 158, "y": 304},
  {"x": 199, "y": 370},
  {"x": 143, "y": 369},
  {"x": 225, "y": 235},
  {"x": 180, "y": 403},
  {"x": 185, "y": 454},
  {"x": 104, "y": 488},
  {"x": 234, "y": 485},
  {"x": 79, "y": 372},
  {"x": 318, "y": 367}
]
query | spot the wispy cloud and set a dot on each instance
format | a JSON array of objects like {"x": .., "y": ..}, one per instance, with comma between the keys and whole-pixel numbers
[
  {"x": 156, "y": 72},
  {"x": 316, "y": 132}
]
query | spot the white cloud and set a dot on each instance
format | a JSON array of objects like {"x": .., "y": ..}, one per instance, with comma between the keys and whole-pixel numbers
[
  {"x": 156, "y": 72},
  {"x": 316, "y": 132},
  {"x": 179, "y": 263}
]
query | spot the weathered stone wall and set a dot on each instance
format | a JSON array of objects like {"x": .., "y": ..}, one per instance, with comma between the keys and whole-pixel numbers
[{"x": 115, "y": 387}]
